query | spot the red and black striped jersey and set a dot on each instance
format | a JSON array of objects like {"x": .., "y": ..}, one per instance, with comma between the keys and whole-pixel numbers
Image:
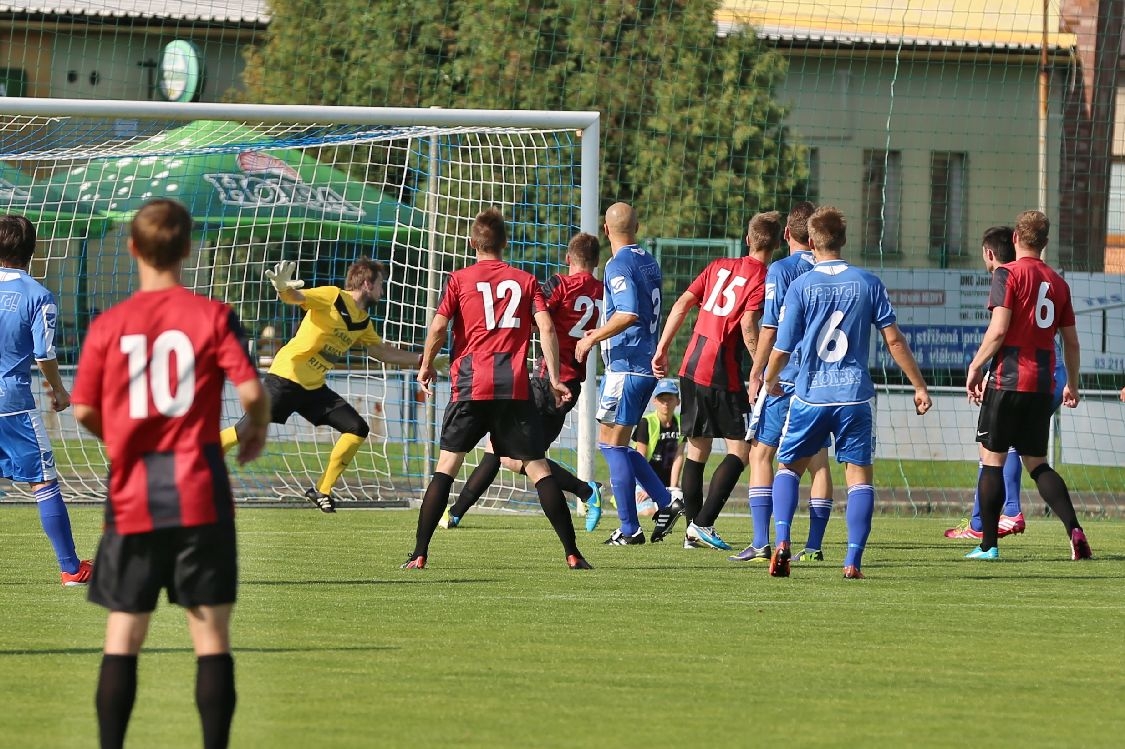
[{"x": 575, "y": 303}]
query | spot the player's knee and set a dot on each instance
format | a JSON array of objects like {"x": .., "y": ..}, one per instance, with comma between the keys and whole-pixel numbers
[{"x": 356, "y": 426}]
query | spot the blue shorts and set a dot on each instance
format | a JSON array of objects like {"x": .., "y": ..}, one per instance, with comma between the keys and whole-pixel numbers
[
  {"x": 624, "y": 396},
  {"x": 852, "y": 425},
  {"x": 25, "y": 450},
  {"x": 771, "y": 422}
]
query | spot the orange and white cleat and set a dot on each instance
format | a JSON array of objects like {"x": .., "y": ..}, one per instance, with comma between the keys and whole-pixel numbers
[
  {"x": 779, "y": 563},
  {"x": 416, "y": 562},
  {"x": 1011, "y": 525},
  {"x": 80, "y": 577},
  {"x": 851, "y": 572}
]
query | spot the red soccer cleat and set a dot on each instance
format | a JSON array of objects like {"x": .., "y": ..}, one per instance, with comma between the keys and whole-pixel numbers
[
  {"x": 963, "y": 530},
  {"x": 81, "y": 577},
  {"x": 415, "y": 563},
  {"x": 779, "y": 563},
  {"x": 1011, "y": 525},
  {"x": 576, "y": 562},
  {"x": 851, "y": 572},
  {"x": 1079, "y": 546}
]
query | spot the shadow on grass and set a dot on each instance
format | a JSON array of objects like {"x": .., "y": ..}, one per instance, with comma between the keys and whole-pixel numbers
[
  {"x": 414, "y": 580},
  {"x": 237, "y": 650}
]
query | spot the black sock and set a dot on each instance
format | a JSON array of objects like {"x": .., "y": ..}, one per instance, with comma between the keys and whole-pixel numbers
[
  {"x": 1054, "y": 492},
  {"x": 117, "y": 690},
  {"x": 434, "y": 502},
  {"x": 554, "y": 507},
  {"x": 568, "y": 482},
  {"x": 691, "y": 481},
  {"x": 722, "y": 484},
  {"x": 476, "y": 485},
  {"x": 990, "y": 489},
  {"x": 215, "y": 697}
]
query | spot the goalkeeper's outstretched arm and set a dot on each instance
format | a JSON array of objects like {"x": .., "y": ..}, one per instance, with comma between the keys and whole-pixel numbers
[{"x": 283, "y": 278}]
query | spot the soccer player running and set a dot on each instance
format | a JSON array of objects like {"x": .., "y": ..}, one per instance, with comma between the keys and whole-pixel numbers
[
  {"x": 772, "y": 409},
  {"x": 829, "y": 312},
  {"x": 335, "y": 320},
  {"x": 729, "y": 293},
  {"x": 150, "y": 386},
  {"x": 27, "y": 332},
  {"x": 631, "y": 319},
  {"x": 491, "y": 306},
  {"x": 573, "y": 300},
  {"x": 1030, "y": 302}
]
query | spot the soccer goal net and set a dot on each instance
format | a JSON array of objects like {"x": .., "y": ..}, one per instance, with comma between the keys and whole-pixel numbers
[{"x": 320, "y": 186}]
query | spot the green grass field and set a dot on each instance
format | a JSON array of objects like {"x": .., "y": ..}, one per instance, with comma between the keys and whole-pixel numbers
[{"x": 497, "y": 644}]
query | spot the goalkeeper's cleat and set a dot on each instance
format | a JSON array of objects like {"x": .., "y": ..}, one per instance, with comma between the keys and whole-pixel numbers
[
  {"x": 963, "y": 530},
  {"x": 448, "y": 521},
  {"x": 1011, "y": 525},
  {"x": 620, "y": 539},
  {"x": 753, "y": 553},
  {"x": 1079, "y": 546},
  {"x": 851, "y": 572},
  {"x": 809, "y": 555},
  {"x": 779, "y": 563},
  {"x": 665, "y": 519},
  {"x": 81, "y": 576},
  {"x": 593, "y": 507},
  {"x": 991, "y": 555},
  {"x": 415, "y": 562},
  {"x": 706, "y": 536},
  {"x": 577, "y": 562},
  {"x": 320, "y": 500}
]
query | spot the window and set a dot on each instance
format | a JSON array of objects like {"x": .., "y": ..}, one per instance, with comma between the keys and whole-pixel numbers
[
  {"x": 882, "y": 202},
  {"x": 949, "y": 196}
]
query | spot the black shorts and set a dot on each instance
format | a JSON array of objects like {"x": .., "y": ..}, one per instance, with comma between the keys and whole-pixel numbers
[
  {"x": 320, "y": 407},
  {"x": 1020, "y": 420},
  {"x": 514, "y": 427},
  {"x": 711, "y": 412},
  {"x": 552, "y": 418},
  {"x": 198, "y": 566}
]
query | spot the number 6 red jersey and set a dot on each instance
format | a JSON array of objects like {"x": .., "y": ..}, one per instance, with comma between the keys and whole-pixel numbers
[
  {"x": 492, "y": 306},
  {"x": 154, "y": 367}
]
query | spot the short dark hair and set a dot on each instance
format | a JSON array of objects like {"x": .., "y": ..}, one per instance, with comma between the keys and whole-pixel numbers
[
  {"x": 1033, "y": 229},
  {"x": 489, "y": 232},
  {"x": 999, "y": 240},
  {"x": 17, "y": 240},
  {"x": 161, "y": 233},
  {"x": 797, "y": 222},
  {"x": 586, "y": 248},
  {"x": 364, "y": 270},
  {"x": 828, "y": 229},
  {"x": 764, "y": 232}
]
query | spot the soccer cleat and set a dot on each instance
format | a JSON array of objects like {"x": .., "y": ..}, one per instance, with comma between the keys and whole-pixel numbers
[
  {"x": 594, "y": 507},
  {"x": 665, "y": 519},
  {"x": 320, "y": 500},
  {"x": 448, "y": 521},
  {"x": 809, "y": 555},
  {"x": 851, "y": 572},
  {"x": 690, "y": 543},
  {"x": 706, "y": 536},
  {"x": 753, "y": 554},
  {"x": 79, "y": 577},
  {"x": 991, "y": 555},
  {"x": 779, "y": 562},
  {"x": 1079, "y": 546},
  {"x": 620, "y": 539},
  {"x": 963, "y": 530},
  {"x": 415, "y": 562},
  {"x": 576, "y": 562},
  {"x": 1011, "y": 525}
]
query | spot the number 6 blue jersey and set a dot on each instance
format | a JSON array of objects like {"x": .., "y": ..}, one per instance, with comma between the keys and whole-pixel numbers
[
  {"x": 632, "y": 285},
  {"x": 829, "y": 312}
]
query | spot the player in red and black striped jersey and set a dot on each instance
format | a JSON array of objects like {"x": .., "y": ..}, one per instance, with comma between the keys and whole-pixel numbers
[
  {"x": 573, "y": 300},
  {"x": 491, "y": 306},
  {"x": 1030, "y": 302},
  {"x": 730, "y": 293},
  {"x": 149, "y": 384}
]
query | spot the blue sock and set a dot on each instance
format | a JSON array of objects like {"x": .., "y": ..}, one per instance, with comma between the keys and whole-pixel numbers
[
  {"x": 785, "y": 486},
  {"x": 861, "y": 506},
  {"x": 624, "y": 483},
  {"x": 761, "y": 508},
  {"x": 974, "y": 521},
  {"x": 56, "y": 524},
  {"x": 820, "y": 510},
  {"x": 1013, "y": 469},
  {"x": 649, "y": 481}
]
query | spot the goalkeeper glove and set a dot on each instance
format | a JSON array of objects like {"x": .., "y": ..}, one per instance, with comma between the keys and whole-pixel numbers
[{"x": 282, "y": 277}]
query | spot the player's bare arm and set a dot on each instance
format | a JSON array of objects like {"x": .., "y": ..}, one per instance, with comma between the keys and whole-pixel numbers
[
  {"x": 57, "y": 393},
  {"x": 989, "y": 345},
  {"x": 676, "y": 317},
  {"x": 252, "y": 431},
  {"x": 777, "y": 361},
  {"x": 90, "y": 418},
  {"x": 435, "y": 339},
  {"x": 619, "y": 322},
  {"x": 550, "y": 345},
  {"x": 900, "y": 351},
  {"x": 284, "y": 280},
  {"x": 1073, "y": 360}
]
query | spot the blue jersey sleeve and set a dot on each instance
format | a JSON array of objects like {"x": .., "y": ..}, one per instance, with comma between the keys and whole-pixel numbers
[
  {"x": 621, "y": 287},
  {"x": 44, "y": 316},
  {"x": 775, "y": 292},
  {"x": 791, "y": 320},
  {"x": 882, "y": 313}
]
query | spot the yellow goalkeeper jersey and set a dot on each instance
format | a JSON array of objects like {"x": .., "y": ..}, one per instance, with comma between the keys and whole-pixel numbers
[{"x": 333, "y": 324}]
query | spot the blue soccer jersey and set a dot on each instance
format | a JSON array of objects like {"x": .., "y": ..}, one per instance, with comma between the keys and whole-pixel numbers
[
  {"x": 632, "y": 285},
  {"x": 27, "y": 332},
  {"x": 780, "y": 275},
  {"x": 828, "y": 312}
]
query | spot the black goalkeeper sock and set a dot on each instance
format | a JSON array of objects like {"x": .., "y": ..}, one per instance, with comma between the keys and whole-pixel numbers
[
  {"x": 117, "y": 690},
  {"x": 215, "y": 697},
  {"x": 568, "y": 482},
  {"x": 691, "y": 481},
  {"x": 476, "y": 485},
  {"x": 722, "y": 484},
  {"x": 434, "y": 502},
  {"x": 1054, "y": 492},
  {"x": 990, "y": 489},
  {"x": 554, "y": 507}
]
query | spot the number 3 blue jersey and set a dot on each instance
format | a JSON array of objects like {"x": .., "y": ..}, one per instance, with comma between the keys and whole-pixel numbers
[
  {"x": 27, "y": 332},
  {"x": 632, "y": 285},
  {"x": 828, "y": 312},
  {"x": 780, "y": 275}
]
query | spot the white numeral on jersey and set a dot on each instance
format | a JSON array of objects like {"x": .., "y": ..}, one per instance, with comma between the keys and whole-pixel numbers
[
  {"x": 1044, "y": 307},
  {"x": 652, "y": 326},
  {"x": 585, "y": 306},
  {"x": 832, "y": 344},
  {"x": 509, "y": 290},
  {"x": 729, "y": 292},
  {"x": 167, "y": 343}
]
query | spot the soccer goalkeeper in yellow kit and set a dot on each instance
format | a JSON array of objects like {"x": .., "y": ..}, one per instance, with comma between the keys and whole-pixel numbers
[{"x": 335, "y": 321}]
